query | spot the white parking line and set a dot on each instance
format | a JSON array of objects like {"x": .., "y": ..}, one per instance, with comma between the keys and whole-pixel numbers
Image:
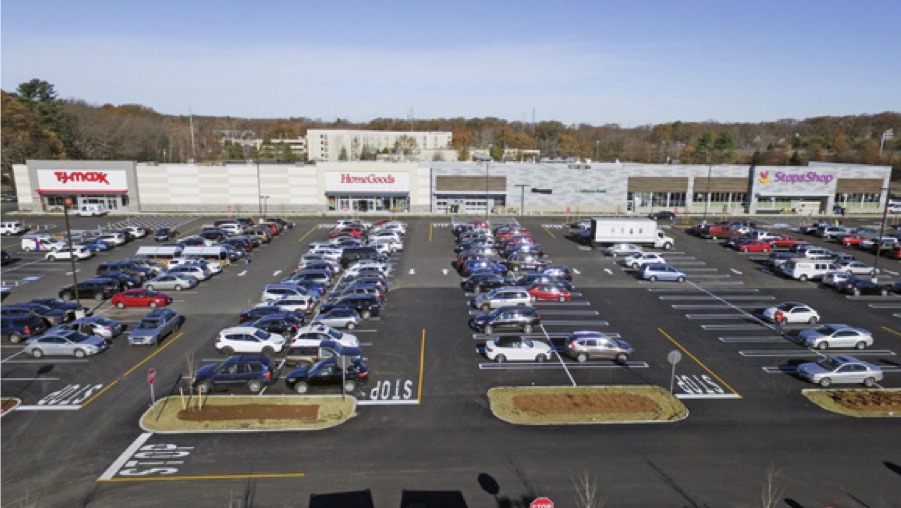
[
  {"x": 554, "y": 365},
  {"x": 753, "y": 339},
  {"x": 117, "y": 465},
  {"x": 715, "y": 316},
  {"x": 763, "y": 353}
]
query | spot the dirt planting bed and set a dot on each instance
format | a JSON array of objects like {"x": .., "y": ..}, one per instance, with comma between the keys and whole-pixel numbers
[{"x": 858, "y": 402}]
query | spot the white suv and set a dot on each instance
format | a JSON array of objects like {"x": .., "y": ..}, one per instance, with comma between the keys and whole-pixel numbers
[
  {"x": 247, "y": 339},
  {"x": 639, "y": 259},
  {"x": 501, "y": 297},
  {"x": 313, "y": 335}
]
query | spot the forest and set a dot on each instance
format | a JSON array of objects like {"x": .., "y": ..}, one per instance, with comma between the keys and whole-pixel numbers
[{"x": 37, "y": 124}]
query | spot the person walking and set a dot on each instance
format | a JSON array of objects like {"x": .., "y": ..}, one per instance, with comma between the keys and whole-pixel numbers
[{"x": 779, "y": 319}]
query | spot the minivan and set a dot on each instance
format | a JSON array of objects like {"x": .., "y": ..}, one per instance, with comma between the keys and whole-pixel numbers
[{"x": 804, "y": 269}]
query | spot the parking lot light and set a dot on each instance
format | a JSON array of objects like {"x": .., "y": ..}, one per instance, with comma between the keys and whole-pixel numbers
[{"x": 66, "y": 204}]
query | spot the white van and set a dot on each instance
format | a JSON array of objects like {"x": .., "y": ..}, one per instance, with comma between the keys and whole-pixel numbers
[
  {"x": 804, "y": 269},
  {"x": 41, "y": 242},
  {"x": 12, "y": 227},
  {"x": 92, "y": 209}
]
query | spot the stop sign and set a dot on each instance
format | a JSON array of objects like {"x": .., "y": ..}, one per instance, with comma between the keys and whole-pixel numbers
[
  {"x": 151, "y": 377},
  {"x": 542, "y": 502}
]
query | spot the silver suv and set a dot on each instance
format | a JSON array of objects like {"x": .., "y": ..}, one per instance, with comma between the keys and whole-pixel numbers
[{"x": 502, "y": 297}]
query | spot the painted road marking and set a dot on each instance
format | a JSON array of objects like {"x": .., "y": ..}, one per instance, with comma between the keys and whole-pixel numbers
[
  {"x": 753, "y": 339},
  {"x": 703, "y": 386},
  {"x": 812, "y": 353},
  {"x": 713, "y": 306},
  {"x": 748, "y": 326},
  {"x": 715, "y": 298},
  {"x": 555, "y": 365},
  {"x": 715, "y": 316},
  {"x": 117, "y": 465},
  {"x": 694, "y": 290}
]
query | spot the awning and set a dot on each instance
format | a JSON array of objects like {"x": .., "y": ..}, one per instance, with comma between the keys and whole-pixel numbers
[
  {"x": 357, "y": 194},
  {"x": 71, "y": 192}
]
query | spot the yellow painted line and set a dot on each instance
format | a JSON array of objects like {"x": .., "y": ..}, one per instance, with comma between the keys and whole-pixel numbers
[
  {"x": 308, "y": 233},
  {"x": 549, "y": 232},
  {"x": 699, "y": 362},
  {"x": 891, "y": 331},
  {"x": 142, "y": 362},
  {"x": 421, "y": 365},
  {"x": 204, "y": 477}
]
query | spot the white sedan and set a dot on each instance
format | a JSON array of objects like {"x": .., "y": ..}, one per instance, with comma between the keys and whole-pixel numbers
[
  {"x": 622, "y": 249},
  {"x": 247, "y": 339},
  {"x": 854, "y": 267},
  {"x": 794, "y": 312},
  {"x": 515, "y": 348}
]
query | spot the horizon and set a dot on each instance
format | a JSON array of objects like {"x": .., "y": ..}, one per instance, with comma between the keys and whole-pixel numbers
[{"x": 594, "y": 63}]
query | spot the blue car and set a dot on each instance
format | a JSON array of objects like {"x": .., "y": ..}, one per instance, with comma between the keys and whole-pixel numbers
[
  {"x": 482, "y": 266},
  {"x": 95, "y": 246},
  {"x": 661, "y": 271}
]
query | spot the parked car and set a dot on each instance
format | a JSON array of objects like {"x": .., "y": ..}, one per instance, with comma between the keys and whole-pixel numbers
[
  {"x": 77, "y": 252},
  {"x": 794, "y": 312},
  {"x": 248, "y": 340},
  {"x": 98, "y": 288},
  {"x": 501, "y": 297},
  {"x": 327, "y": 373},
  {"x": 18, "y": 328},
  {"x": 165, "y": 234},
  {"x": 836, "y": 335},
  {"x": 530, "y": 279},
  {"x": 140, "y": 297},
  {"x": 309, "y": 355},
  {"x": 637, "y": 260},
  {"x": 558, "y": 271},
  {"x": 519, "y": 318},
  {"x": 339, "y": 317},
  {"x": 756, "y": 246},
  {"x": 366, "y": 305},
  {"x": 285, "y": 323},
  {"x": 479, "y": 282},
  {"x": 53, "y": 316},
  {"x": 840, "y": 369},
  {"x": 862, "y": 286},
  {"x": 622, "y": 249},
  {"x": 549, "y": 292},
  {"x": 171, "y": 281},
  {"x": 525, "y": 262},
  {"x": 314, "y": 334},
  {"x": 299, "y": 304},
  {"x": 155, "y": 326},
  {"x": 663, "y": 215},
  {"x": 114, "y": 238},
  {"x": 265, "y": 310},
  {"x": 662, "y": 271},
  {"x": 836, "y": 277},
  {"x": 65, "y": 343},
  {"x": 514, "y": 348},
  {"x": 93, "y": 325},
  {"x": 253, "y": 372},
  {"x": 855, "y": 267},
  {"x": 585, "y": 345}
]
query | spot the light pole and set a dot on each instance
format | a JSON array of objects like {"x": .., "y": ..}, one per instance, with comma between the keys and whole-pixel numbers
[
  {"x": 259, "y": 190},
  {"x": 707, "y": 192},
  {"x": 66, "y": 204},
  {"x": 487, "y": 164},
  {"x": 522, "y": 198},
  {"x": 883, "y": 194}
]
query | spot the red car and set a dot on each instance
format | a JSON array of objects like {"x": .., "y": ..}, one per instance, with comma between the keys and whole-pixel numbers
[
  {"x": 549, "y": 292},
  {"x": 852, "y": 240},
  {"x": 755, "y": 246},
  {"x": 351, "y": 231},
  {"x": 140, "y": 297},
  {"x": 784, "y": 242}
]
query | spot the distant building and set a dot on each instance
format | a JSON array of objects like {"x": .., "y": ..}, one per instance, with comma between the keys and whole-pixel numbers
[{"x": 353, "y": 145}]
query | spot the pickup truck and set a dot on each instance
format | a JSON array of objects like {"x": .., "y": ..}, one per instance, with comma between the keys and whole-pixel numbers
[{"x": 155, "y": 327}]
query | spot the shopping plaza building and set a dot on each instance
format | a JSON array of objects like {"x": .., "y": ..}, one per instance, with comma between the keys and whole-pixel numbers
[{"x": 359, "y": 187}]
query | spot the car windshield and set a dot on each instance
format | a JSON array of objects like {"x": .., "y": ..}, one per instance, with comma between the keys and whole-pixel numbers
[
  {"x": 829, "y": 363},
  {"x": 261, "y": 334},
  {"x": 335, "y": 334},
  {"x": 148, "y": 292},
  {"x": 826, "y": 329},
  {"x": 149, "y": 323},
  {"x": 78, "y": 337}
]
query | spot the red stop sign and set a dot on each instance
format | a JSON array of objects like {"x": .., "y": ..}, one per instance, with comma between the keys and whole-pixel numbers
[
  {"x": 542, "y": 502},
  {"x": 151, "y": 377}
]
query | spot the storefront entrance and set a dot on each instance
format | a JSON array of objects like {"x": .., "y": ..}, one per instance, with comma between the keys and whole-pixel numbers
[
  {"x": 111, "y": 202},
  {"x": 367, "y": 204}
]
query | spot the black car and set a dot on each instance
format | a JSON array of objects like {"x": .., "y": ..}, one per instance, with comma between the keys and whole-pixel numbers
[
  {"x": 282, "y": 323},
  {"x": 524, "y": 262},
  {"x": 560, "y": 272},
  {"x": 519, "y": 318},
  {"x": 251, "y": 371},
  {"x": 17, "y": 328},
  {"x": 125, "y": 281},
  {"x": 214, "y": 234},
  {"x": 512, "y": 248},
  {"x": 98, "y": 288},
  {"x": 366, "y": 305},
  {"x": 863, "y": 286},
  {"x": 165, "y": 234},
  {"x": 129, "y": 268},
  {"x": 479, "y": 282},
  {"x": 327, "y": 373},
  {"x": 664, "y": 215},
  {"x": 265, "y": 310},
  {"x": 51, "y": 315},
  {"x": 5, "y": 258}
]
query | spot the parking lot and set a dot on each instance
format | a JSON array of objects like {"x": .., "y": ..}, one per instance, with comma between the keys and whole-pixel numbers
[{"x": 424, "y": 421}]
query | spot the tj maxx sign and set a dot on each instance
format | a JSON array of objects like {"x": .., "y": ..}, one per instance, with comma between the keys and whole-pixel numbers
[
  {"x": 367, "y": 181},
  {"x": 81, "y": 181}
]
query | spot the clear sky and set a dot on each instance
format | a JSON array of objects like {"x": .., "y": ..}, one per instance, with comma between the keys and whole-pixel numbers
[{"x": 631, "y": 62}]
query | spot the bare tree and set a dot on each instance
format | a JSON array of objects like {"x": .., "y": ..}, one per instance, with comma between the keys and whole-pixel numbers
[
  {"x": 587, "y": 491},
  {"x": 772, "y": 491}
]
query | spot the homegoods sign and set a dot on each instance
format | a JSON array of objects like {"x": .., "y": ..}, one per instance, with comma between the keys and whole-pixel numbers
[{"x": 368, "y": 181}]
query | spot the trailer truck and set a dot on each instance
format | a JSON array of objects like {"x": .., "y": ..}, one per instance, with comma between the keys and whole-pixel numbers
[{"x": 606, "y": 231}]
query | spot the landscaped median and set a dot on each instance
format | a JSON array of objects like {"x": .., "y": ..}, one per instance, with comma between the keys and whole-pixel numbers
[
  {"x": 561, "y": 405},
  {"x": 865, "y": 403},
  {"x": 255, "y": 413}
]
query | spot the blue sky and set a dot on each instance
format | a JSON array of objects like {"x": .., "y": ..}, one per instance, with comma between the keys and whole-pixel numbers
[{"x": 631, "y": 62}]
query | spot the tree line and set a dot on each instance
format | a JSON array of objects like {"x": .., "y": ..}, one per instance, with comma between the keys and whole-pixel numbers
[{"x": 37, "y": 124}]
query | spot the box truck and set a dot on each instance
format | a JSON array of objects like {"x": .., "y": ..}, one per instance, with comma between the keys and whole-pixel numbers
[{"x": 638, "y": 231}]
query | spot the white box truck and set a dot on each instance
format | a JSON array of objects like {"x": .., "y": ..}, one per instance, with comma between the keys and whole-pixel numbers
[{"x": 606, "y": 231}]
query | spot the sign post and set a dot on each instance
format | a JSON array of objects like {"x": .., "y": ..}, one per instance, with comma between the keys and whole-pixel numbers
[
  {"x": 673, "y": 357},
  {"x": 151, "y": 378}
]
